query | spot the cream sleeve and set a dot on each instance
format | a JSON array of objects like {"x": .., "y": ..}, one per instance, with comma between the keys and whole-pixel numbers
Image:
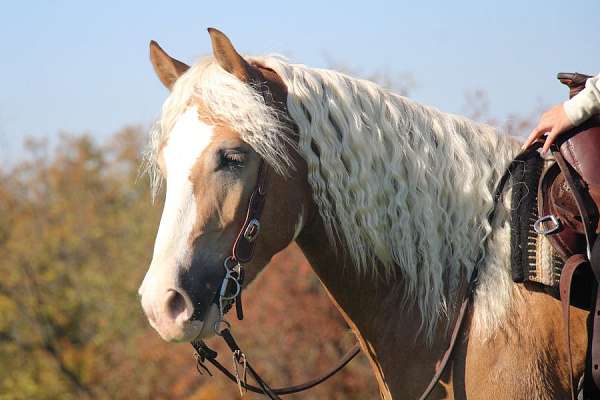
[{"x": 585, "y": 104}]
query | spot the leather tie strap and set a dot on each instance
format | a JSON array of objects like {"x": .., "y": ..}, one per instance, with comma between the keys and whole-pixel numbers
[
  {"x": 595, "y": 339},
  {"x": 566, "y": 280}
]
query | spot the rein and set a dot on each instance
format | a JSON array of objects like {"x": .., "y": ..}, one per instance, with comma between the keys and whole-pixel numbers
[{"x": 231, "y": 293}]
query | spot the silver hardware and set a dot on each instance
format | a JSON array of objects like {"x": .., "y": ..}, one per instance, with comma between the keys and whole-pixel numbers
[
  {"x": 230, "y": 270},
  {"x": 220, "y": 323},
  {"x": 240, "y": 358},
  {"x": 233, "y": 270},
  {"x": 252, "y": 230},
  {"x": 223, "y": 294},
  {"x": 540, "y": 225},
  {"x": 230, "y": 263}
]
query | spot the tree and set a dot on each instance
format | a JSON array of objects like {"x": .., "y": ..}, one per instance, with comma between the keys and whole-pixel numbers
[{"x": 76, "y": 233}]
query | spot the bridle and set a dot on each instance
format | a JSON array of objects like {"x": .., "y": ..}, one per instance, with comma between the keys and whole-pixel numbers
[{"x": 231, "y": 293}]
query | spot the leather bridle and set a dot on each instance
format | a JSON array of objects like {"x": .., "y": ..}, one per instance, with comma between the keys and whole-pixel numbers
[{"x": 231, "y": 293}]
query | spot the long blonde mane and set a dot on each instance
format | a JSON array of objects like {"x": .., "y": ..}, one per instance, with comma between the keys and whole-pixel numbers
[{"x": 405, "y": 188}]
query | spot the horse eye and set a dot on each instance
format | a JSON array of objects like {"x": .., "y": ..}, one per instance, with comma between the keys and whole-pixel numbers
[{"x": 232, "y": 159}]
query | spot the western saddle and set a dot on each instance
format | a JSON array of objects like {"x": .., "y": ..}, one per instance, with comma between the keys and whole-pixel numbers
[{"x": 567, "y": 212}]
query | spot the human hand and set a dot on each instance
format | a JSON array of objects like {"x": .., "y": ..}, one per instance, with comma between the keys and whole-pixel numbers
[{"x": 553, "y": 122}]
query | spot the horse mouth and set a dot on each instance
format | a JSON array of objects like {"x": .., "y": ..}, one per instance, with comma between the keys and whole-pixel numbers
[{"x": 189, "y": 330}]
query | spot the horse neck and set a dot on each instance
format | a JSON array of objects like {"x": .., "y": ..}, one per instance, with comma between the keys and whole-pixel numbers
[{"x": 386, "y": 326}]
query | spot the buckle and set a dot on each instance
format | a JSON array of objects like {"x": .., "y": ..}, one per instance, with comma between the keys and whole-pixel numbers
[
  {"x": 252, "y": 230},
  {"x": 540, "y": 225}
]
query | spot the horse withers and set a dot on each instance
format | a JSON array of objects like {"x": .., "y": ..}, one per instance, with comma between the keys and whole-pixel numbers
[{"x": 388, "y": 199}]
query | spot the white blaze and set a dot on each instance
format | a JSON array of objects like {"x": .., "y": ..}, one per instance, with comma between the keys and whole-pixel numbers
[{"x": 185, "y": 144}]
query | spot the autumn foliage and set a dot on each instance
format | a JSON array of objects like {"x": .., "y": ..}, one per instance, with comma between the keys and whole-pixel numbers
[{"x": 76, "y": 233}]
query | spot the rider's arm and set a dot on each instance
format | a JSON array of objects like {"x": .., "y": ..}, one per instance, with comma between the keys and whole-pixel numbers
[
  {"x": 563, "y": 117},
  {"x": 585, "y": 104}
]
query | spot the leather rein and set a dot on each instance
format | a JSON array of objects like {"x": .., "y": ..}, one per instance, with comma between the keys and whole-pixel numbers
[{"x": 231, "y": 293}]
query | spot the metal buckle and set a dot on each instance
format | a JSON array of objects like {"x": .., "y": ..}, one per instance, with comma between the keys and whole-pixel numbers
[
  {"x": 252, "y": 230},
  {"x": 540, "y": 228}
]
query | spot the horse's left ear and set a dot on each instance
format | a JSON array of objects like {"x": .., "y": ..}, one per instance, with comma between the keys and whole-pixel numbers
[{"x": 227, "y": 57}]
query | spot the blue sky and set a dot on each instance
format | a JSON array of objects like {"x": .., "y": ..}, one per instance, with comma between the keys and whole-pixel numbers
[{"x": 79, "y": 66}]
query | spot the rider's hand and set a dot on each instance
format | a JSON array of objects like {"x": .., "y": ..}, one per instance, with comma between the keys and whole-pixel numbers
[{"x": 554, "y": 122}]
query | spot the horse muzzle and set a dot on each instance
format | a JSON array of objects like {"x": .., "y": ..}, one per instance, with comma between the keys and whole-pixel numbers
[{"x": 184, "y": 311}]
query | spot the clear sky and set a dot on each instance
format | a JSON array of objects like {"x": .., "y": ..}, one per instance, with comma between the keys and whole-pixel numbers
[{"x": 82, "y": 66}]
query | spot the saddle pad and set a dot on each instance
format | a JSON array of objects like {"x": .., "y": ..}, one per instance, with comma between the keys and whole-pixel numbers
[
  {"x": 532, "y": 256},
  {"x": 524, "y": 183}
]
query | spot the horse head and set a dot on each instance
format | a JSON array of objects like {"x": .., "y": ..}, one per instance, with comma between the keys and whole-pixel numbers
[{"x": 223, "y": 117}]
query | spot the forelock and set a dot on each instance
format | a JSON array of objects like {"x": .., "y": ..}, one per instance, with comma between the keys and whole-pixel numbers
[{"x": 225, "y": 100}]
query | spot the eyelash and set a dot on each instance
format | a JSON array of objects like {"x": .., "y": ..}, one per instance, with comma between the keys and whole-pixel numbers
[{"x": 232, "y": 159}]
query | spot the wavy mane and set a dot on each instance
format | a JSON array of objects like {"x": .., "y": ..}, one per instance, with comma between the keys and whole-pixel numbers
[
  {"x": 228, "y": 100},
  {"x": 404, "y": 187}
]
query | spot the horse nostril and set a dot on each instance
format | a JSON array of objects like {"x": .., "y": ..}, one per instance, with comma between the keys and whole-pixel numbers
[{"x": 177, "y": 306}]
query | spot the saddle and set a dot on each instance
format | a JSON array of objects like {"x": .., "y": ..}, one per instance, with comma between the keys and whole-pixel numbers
[
  {"x": 568, "y": 204},
  {"x": 563, "y": 205}
]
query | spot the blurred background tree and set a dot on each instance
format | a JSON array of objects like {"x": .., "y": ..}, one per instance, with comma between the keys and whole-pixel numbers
[{"x": 76, "y": 233}]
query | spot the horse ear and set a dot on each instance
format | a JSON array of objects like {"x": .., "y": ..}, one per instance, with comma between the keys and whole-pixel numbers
[
  {"x": 166, "y": 67},
  {"x": 227, "y": 57}
]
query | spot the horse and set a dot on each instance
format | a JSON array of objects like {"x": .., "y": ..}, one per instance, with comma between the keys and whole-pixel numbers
[{"x": 387, "y": 198}]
